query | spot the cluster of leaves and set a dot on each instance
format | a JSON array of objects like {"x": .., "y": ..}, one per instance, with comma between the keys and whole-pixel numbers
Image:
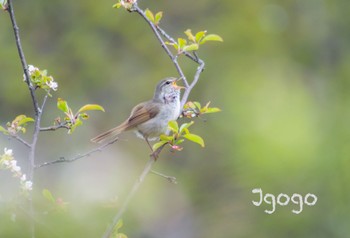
[
  {"x": 17, "y": 125},
  {"x": 181, "y": 133},
  {"x": 116, "y": 233},
  {"x": 194, "y": 109},
  {"x": 56, "y": 204},
  {"x": 194, "y": 41},
  {"x": 181, "y": 45},
  {"x": 154, "y": 18},
  {"x": 178, "y": 136},
  {"x": 73, "y": 120},
  {"x": 40, "y": 79}
]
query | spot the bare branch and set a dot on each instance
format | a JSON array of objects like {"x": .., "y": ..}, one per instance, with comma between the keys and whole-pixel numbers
[
  {"x": 63, "y": 160},
  {"x": 55, "y": 127},
  {"x": 17, "y": 137},
  {"x": 171, "y": 179},
  {"x": 130, "y": 195}
]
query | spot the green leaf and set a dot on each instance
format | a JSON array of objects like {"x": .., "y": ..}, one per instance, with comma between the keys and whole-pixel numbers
[
  {"x": 48, "y": 195},
  {"x": 90, "y": 107},
  {"x": 197, "y": 104},
  {"x": 158, "y": 145},
  {"x": 118, "y": 225},
  {"x": 173, "y": 44},
  {"x": 77, "y": 123},
  {"x": 190, "y": 36},
  {"x": 211, "y": 37},
  {"x": 211, "y": 110},
  {"x": 194, "y": 138},
  {"x": 200, "y": 35},
  {"x": 178, "y": 142},
  {"x": 181, "y": 43},
  {"x": 120, "y": 235},
  {"x": 149, "y": 15},
  {"x": 84, "y": 116},
  {"x": 158, "y": 17},
  {"x": 185, "y": 126},
  {"x": 117, "y": 5},
  {"x": 164, "y": 137},
  {"x": 191, "y": 47},
  {"x": 173, "y": 126},
  {"x": 62, "y": 105},
  {"x": 3, "y": 130},
  {"x": 24, "y": 120}
]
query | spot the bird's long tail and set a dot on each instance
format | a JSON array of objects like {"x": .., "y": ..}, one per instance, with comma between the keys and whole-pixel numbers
[{"x": 108, "y": 135}]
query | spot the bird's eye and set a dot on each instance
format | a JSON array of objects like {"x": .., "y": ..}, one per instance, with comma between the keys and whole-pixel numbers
[{"x": 168, "y": 82}]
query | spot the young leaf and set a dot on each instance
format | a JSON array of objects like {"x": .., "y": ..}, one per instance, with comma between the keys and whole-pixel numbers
[
  {"x": 173, "y": 126},
  {"x": 200, "y": 35},
  {"x": 190, "y": 36},
  {"x": 62, "y": 105},
  {"x": 211, "y": 110},
  {"x": 211, "y": 37},
  {"x": 117, "y": 5},
  {"x": 197, "y": 105},
  {"x": 3, "y": 130},
  {"x": 158, "y": 17},
  {"x": 149, "y": 15},
  {"x": 90, "y": 107},
  {"x": 48, "y": 195},
  {"x": 194, "y": 138},
  {"x": 181, "y": 42},
  {"x": 158, "y": 145},
  {"x": 24, "y": 120},
  {"x": 185, "y": 126},
  {"x": 191, "y": 47},
  {"x": 164, "y": 137}
]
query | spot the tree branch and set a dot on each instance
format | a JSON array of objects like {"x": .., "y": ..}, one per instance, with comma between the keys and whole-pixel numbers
[
  {"x": 21, "y": 140},
  {"x": 56, "y": 127},
  {"x": 63, "y": 160},
  {"x": 37, "y": 110},
  {"x": 159, "y": 32},
  {"x": 130, "y": 195},
  {"x": 162, "y": 43}
]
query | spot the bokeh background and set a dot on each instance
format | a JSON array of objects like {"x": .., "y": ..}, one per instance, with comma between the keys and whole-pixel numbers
[{"x": 281, "y": 78}]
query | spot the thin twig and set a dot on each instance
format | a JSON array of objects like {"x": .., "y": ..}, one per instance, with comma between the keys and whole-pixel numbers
[
  {"x": 169, "y": 38},
  {"x": 17, "y": 137},
  {"x": 171, "y": 179},
  {"x": 130, "y": 195},
  {"x": 55, "y": 127},
  {"x": 22, "y": 57},
  {"x": 63, "y": 160},
  {"x": 162, "y": 43}
]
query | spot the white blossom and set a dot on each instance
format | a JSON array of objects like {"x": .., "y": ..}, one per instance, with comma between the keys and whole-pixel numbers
[
  {"x": 52, "y": 84},
  {"x": 28, "y": 185},
  {"x": 8, "y": 152},
  {"x": 23, "y": 178},
  {"x": 31, "y": 69},
  {"x": 13, "y": 163}
]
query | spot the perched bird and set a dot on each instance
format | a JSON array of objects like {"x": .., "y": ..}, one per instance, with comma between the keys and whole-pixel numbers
[{"x": 150, "y": 119}]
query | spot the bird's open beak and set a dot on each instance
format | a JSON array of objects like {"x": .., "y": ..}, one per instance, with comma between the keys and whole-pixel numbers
[{"x": 177, "y": 86}]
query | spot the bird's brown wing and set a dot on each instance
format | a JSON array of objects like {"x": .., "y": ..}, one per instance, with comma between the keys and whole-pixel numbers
[{"x": 140, "y": 114}]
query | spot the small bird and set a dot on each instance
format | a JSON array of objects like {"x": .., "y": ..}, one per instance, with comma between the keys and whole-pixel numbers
[{"x": 150, "y": 119}]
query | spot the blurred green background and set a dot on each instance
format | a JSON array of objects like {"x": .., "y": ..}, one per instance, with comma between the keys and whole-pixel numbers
[{"x": 281, "y": 78}]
